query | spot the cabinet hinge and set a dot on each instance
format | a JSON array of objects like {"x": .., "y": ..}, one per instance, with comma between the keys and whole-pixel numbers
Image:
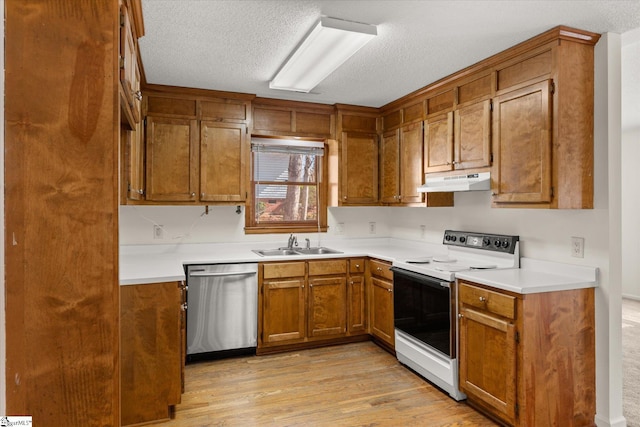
[
  {"x": 491, "y": 155},
  {"x": 491, "y": 105},
  {"x": 121, "y": 62},
  {"x": 517, "y": 410},
  {"x": 121, "y": 20},
  {"x": 553, "y": 88},
  {"x": 552, "y": 192},
  {"x": 518, "y": 337}
]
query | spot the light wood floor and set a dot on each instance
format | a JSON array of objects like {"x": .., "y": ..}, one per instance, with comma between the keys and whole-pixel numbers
[{"x": 348, "y": 385}]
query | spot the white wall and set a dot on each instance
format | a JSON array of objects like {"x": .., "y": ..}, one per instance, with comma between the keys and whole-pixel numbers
[
  {"x": 545, "y": 234},
  {"x": 630, "y": 169}
]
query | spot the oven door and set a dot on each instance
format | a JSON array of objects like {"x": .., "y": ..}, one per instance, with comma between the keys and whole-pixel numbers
[{"x": 422, "y": 307}]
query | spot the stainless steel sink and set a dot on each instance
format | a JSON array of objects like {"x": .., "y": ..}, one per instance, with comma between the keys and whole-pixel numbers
[
  {"x": 317, "y": 251},
  {"x": 275, "y": 252},
  {"x": 296, "y": 251}
]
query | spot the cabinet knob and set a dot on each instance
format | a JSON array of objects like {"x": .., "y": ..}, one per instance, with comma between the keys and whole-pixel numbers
[
  {"x": 344, "y": 197},
  {"x": 379, "y": 269},
  {"x": 184, "y": 306},
  {"x": 310, "y": 285},
  {"x": 357, "y": 265},
  {"x": 483, "y": 299},
  {"x": 351, "y": 282},
  {"x": 137, "y": 95},
  {"x": 389, "y": 290},
  {"x": 193, "y": 194},
  {"x": 460, "y": 316}
]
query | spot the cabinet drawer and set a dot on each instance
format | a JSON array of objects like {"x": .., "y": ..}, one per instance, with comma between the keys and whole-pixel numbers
[
  {"x": 283, "y": 269},
  {"x": 380, "y": 269},
  {"x": 356, "y": 265},
  {"x": 332, "y": 266},
  {"x": 494, "y": 302}
]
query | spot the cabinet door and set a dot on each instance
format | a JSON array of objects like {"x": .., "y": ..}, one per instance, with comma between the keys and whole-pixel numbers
[
  {"x": 438, "y": 143},
  {"x": 411, "y": 155},
  {"x": 357, "y": 307},
  {"x": 382, "y": 310},
  {"x": 390, "y": 167},
  {"x": 172, "y": 159},
  {"x": 283, "y": 312},
  {"x": 522, "y": 145},
  {"x": 472, "y": 125},
  {"x": 488, "y": 361},
  {"x": 128, "y": 57},
  {"x": 135, "y": 165},
  {"x": 327, "y": 306},
  {"x": 359, "y": 168},
  {"x": 151, "y": 351},
  {"x": 223, "y": 160}
]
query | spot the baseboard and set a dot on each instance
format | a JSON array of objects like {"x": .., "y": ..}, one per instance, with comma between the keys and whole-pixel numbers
[
  {"x": 633, "y": 297},
  {"x": 617, "y": 422}
]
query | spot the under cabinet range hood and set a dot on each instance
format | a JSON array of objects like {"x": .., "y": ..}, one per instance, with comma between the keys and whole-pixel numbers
[{"x": 465, "y": 182}]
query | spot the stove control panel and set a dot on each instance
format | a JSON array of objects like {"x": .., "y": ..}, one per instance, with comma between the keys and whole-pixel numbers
[{"x": 491, "y": 242}]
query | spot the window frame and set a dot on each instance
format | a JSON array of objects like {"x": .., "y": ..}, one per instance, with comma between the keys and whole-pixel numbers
[{"x": 253, "y": 227}]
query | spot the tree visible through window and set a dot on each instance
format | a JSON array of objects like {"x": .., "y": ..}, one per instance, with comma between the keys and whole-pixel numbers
[{"x": 286, "y": 183}]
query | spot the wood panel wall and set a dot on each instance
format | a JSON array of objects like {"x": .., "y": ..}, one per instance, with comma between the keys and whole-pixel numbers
[{"x": 61, "y": 211}]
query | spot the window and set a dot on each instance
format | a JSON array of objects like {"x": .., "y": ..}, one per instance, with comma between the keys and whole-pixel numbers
[{"x": 287, "y": 188}]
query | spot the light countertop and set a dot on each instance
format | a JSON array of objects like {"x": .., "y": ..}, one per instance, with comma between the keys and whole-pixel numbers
[{"x": 140, "y": 264}]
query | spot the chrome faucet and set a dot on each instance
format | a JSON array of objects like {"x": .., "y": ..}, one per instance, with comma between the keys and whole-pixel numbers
[
  {"x": 308, "y": 245},
  {"x": 293, "y": 240}
]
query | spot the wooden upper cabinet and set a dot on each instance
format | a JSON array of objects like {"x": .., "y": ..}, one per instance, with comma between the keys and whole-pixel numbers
[
  {"x": 129, "y": 69},
  {"x": 522, "y": 144},
  {"x": 223, "y": 155},
  {"x": 133, "y": 165},
  {"x": 411, "y": 155},
  {"x": 359, "y": 168},
  {"x": 438, "y": 143},
  {"x": 172, "y": 157},
  {"x": 280, "y": 118},
  {"x": 472, "y": 136}
]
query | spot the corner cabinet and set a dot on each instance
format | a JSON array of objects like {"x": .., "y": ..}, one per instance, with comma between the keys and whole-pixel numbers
[
  {"x": 401, "y": 165},
  {"x": 528, "y": 360}
]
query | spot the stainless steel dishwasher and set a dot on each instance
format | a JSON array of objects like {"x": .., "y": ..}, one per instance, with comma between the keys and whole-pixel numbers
[{"x": 222, "y": 310}]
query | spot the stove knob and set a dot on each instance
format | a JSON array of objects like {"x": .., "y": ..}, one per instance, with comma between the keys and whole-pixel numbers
[
  {"x": 486, "y": 241},
  {"x": 463, "y": 239},
  {"x": 447, "y": 237},
  {"x": 496, "y": 243},
  {"x": 505, "y": 244},
  {"x": 453, "y": 238}
]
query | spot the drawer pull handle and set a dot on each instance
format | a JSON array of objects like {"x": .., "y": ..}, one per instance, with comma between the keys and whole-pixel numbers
[{"x": 483, "y": 299}]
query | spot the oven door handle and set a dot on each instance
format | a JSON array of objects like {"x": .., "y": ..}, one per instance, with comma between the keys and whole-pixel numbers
[{"x": 421, "y": 278}]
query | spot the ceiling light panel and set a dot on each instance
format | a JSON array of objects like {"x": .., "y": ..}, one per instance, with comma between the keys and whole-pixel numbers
[{"x": 330, "y": 43}]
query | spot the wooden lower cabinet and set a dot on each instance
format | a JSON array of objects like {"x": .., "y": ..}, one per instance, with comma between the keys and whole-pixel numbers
[
  {"x": 528, "y": 360},
  {"x": 151, "y": 351},
  {"x": 307, "y": 302},
  {"x": 381, "y": 302}
]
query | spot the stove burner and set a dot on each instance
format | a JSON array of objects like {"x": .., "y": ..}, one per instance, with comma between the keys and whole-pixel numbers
[{"x": 443, "y": 259}]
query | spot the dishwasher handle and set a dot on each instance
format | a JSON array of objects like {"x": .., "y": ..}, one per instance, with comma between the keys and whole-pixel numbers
[{"x": 202, "y": 273}]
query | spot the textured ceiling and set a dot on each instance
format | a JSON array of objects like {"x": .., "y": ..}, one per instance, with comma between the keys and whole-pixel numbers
[{"x": 238, "y": 45}]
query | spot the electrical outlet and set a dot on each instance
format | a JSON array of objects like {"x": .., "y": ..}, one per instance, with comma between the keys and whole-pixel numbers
[
  {"x": 577, "y": 247},
  {"x": 423, "y": 231},
  {"x": 158, "y": 232},
  {"x": 340, "y": 228},
  {"x": 372, "y": 228}
]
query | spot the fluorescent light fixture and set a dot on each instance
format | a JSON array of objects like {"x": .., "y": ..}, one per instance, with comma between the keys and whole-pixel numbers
[{"x": 329, "y": 44}]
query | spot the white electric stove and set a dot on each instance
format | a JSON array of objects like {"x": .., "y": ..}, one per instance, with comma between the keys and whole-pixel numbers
[{"x": 425, "y": 301}]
